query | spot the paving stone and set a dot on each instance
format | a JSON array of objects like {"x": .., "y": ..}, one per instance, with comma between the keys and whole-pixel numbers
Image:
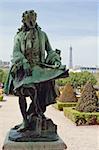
[{"x": 76, "y": 138}]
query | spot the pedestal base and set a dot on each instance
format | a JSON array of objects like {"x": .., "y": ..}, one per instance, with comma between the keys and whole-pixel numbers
[{"x": 53, "y": 145}]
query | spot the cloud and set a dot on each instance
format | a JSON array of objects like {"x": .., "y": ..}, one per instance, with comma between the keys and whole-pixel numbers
[
  {"x": 49, "y": 1},
  {"x": 66, "y": 22},
  {"x": 76, "y": 18},
  {"x": 98, "y": 51}
]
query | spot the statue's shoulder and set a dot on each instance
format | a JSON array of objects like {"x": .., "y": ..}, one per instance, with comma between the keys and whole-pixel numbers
[
  {"x": 40, "y": 30},
  {"x": 44, "y": 33},
  {"x": 19, "y": 35}
]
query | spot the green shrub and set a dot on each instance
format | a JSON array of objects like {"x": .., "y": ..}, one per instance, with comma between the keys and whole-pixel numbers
[
  {"x": 1, "y": 97},
  {"x": 81, "y": 118},
  {"x": 3, "y": 75},
  {"x": 59, "y": 105},
  {"x": 78, "y": 79}
]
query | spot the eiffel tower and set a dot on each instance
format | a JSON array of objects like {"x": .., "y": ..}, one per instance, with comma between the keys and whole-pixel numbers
[{"x": 70, "y": 58}]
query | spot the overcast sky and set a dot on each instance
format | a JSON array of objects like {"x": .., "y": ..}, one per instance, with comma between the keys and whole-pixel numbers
[{"x": 66, "y": 22}]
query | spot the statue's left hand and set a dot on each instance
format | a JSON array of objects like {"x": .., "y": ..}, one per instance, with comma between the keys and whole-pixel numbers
[{"x": 57, "y": 64}]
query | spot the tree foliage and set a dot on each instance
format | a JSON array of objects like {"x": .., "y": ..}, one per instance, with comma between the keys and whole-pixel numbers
[
  {"x": 3, "y": 75},
  {"x": 78, "y": 79}
]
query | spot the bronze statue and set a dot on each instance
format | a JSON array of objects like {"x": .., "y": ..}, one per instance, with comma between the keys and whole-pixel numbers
[{"x": 32, "y": 74}]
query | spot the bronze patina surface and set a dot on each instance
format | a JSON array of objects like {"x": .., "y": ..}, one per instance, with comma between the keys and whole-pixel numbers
[{"x": 32, "y": 74}]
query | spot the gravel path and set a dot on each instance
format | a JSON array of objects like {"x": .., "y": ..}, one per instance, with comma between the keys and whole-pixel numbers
[{"x": 76, "y": 138}]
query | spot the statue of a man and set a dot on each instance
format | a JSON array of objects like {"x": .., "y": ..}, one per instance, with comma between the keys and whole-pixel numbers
[{"x": 32, "y": 74}]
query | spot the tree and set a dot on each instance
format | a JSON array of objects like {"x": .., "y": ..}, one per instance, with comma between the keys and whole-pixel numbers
[
  {"x": 78, "y": 79},
  {"x": 3, "y": 75}
]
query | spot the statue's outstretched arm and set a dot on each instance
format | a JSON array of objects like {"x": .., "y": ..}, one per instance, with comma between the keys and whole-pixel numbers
[
  {"x": 53, "y": 57},
  {"x": 48, "y": 47}
]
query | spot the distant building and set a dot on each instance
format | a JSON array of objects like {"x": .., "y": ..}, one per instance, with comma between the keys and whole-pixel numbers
[
  {"x": 4, "y": 64},
  {"x": 89, "y": 69}
]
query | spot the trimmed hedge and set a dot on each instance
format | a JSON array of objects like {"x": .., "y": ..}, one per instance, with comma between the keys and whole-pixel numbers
[
  {"x": 81, "y": 118},
  {"x": 1, "y": 97},
  {"x": 59, "y": 105}
]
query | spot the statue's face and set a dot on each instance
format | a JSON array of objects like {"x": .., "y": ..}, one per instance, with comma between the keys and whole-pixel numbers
[{"x": 29, "y": 18}]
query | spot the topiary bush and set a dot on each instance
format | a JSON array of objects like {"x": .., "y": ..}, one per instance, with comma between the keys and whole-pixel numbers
[
  {"x": 68, "y": 94},
  {"x": 88, "y": 102}
]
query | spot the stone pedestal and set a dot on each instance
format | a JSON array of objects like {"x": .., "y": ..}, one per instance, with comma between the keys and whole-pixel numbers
[{"x": 53, "y": 145}]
